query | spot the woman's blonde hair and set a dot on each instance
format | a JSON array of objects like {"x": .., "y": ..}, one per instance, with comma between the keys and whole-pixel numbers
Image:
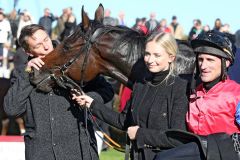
[{"x": 168, "y": 42}]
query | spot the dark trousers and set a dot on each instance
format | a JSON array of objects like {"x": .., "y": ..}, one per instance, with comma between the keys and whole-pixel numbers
[{"x": 189, "y": 151}]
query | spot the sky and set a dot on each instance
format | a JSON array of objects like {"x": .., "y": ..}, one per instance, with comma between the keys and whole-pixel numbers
[{"x": 186, "y": 10}]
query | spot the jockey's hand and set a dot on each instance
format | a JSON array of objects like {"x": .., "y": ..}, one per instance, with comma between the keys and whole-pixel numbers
[
  {"x": 83, "y": 100},
  {"x": 36, "y": 63},
  {"x": 132, "y": 131}
]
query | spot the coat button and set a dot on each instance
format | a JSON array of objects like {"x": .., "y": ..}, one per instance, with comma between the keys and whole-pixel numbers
[{"x": 164, "y": 114}]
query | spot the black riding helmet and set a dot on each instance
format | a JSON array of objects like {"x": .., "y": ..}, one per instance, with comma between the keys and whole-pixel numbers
[{"x": 214, "y": 43}]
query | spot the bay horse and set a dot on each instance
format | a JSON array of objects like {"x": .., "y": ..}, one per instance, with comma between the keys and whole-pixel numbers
[
  {"x": 91, "y": 50},
  {"x": 95, "y": 49}
]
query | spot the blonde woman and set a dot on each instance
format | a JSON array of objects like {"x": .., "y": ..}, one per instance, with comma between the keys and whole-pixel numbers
[
  {"x": 158, "y": 102},
  {"x": 25, "y": 19}
]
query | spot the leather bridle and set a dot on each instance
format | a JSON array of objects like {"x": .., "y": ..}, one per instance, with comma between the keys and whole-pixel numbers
[{"x": 66, "y": 82}]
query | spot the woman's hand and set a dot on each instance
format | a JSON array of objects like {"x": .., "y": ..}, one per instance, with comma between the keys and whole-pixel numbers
[
  {"x": 132, "y": 131},
  {"x": 83, "y": 100}
]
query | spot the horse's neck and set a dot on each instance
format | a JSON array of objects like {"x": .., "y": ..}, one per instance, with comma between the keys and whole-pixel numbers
[
  {"x": 123, "y": 52},
  {"x": 128, "y": 75}
]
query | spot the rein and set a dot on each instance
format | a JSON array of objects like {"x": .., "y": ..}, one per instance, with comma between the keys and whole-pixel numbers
[{"x": 85, "y": 49}]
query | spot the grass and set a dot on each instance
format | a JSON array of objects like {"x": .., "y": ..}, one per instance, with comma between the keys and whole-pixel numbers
[{"x": 111, "y": 154}]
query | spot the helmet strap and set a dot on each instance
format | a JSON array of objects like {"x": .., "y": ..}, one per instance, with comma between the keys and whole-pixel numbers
[
  {"x": 223, "y": 69},
  {"x": 195, "y": 77}
]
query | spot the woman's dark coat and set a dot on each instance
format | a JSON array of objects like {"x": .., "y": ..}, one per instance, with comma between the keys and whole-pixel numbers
[{"x": 165, "y": 108}]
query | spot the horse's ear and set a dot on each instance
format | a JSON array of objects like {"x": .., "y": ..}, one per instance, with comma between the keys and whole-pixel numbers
[
  {"x": 85, "y": 20},
  {"x": 99, "y": 14}
]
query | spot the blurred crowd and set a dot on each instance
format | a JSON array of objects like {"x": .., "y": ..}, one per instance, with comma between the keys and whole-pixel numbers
[{"x": 12, "y": 23}]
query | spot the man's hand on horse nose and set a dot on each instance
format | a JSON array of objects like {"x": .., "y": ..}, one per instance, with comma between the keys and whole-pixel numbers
[{"x": 36, "y": 63}]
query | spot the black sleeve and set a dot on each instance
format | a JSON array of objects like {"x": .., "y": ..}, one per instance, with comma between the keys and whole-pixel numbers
[
  {"x": 99, "y": 89},
  {"x": 119, "y": 120},
  {"x": 52, "y": 17},
  {"x": 17, "y": 95},
  {"x": 178, "y": 112}
]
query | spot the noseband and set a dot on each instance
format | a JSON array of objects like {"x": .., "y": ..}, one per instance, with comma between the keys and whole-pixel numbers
[{"x": 64, "y": 81}]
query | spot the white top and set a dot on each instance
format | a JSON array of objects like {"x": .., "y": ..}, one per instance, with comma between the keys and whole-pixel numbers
[{"x": 5, "y": 31}]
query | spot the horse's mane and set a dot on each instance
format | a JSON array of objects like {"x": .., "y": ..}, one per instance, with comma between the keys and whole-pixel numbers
[
  {"x": 130, "y": 44},
  {"x": 185, "y": 59}
]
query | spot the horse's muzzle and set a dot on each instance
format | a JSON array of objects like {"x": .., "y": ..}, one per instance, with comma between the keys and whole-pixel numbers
[{"x": 42, "y": 80}]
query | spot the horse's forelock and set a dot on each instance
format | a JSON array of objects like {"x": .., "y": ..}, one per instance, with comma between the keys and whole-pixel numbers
[{"x": 79, "y": 31}]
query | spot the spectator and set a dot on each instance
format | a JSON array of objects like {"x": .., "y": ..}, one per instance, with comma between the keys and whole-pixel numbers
[
  {"x": 121, "y": 17},
  {"x": 25, "y": 19},
  {"x": 234, "y": 70},
  {"x": 225, "y": 28},
  {"x": 152, "y": 23},
  {"x": 196, "y": 30},
  {"x": 193, "y": 27},
  {"x": 5, "y": 34},
  {"x": 217, "y": 24},
  {"x": 61, "y": 23},
  {"x": 69, "y": 25},
  {"x": 176, "y": 29},
  {"x": 163, "y": 26},
  {"x": 14, "y": 21},
  {"x": 47, "y": 20},
  {"x": 108, "y": 20},
  {"x": 140, "y": 25},
  {"x": 206, "y": 28}
]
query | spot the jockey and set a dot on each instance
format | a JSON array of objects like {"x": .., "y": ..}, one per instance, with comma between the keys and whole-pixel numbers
[
  {"x": 211, "y": 115},
  {"x": 214, "y": 56}
]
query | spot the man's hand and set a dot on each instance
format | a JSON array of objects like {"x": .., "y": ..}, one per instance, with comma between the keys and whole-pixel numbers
[
  {"x": 132, "y": 131},
  {"x": 36, "y": 63}
]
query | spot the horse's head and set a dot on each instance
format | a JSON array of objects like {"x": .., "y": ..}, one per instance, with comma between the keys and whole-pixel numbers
[
  {"x": 91, "y": 50},
  {"x": 73, "y": 53}
]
